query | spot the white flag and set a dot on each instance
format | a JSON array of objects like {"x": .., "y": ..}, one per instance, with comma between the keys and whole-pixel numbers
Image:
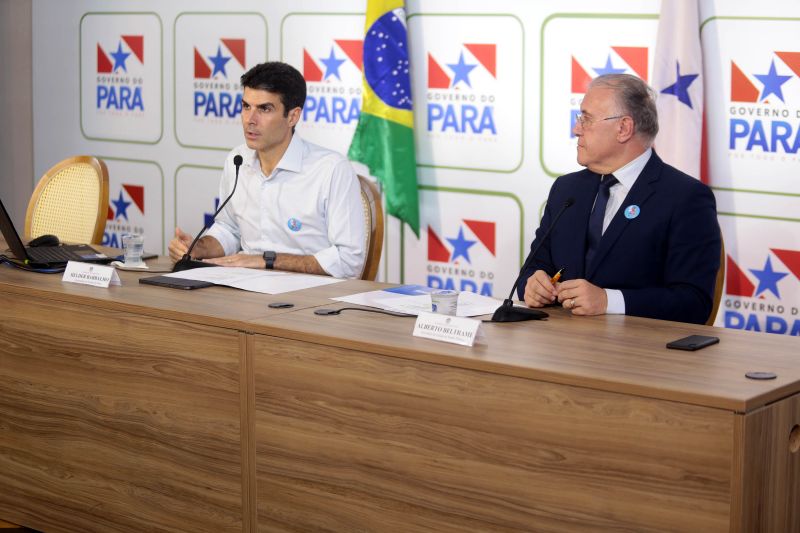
[{"x": 678, "y": 80}]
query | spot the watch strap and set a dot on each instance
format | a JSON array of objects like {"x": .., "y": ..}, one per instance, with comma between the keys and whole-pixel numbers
[{"x": 269, "y": 259}]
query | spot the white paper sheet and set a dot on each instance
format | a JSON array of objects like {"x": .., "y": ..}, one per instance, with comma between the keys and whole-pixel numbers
[
  {"x": 253, "y": 280},
  {"x": 414, "y": 299}
]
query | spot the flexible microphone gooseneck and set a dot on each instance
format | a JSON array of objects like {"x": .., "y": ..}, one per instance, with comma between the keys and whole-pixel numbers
[
  {"x": 508, "y": 312},
  {"x": 186, "y": 262}
]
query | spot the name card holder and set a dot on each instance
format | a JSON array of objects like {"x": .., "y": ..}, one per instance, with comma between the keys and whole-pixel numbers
[
  {"x": 91, "y": 274},
  {"x": 456, "y": 330}
]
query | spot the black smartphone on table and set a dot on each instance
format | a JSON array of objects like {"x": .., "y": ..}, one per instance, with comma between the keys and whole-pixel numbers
[
  {"x": 693, "y": 342},
  {"x": 175, "y": 283}
]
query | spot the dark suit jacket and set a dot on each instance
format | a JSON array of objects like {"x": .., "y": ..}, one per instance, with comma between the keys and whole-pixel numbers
[{"x": 664, "y": 261}]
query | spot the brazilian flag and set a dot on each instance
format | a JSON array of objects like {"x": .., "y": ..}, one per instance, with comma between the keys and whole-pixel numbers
[{"x": 384, "y": 137}]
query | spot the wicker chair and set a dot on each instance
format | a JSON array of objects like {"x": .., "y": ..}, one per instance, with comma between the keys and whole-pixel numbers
[
  {"x": 719, "y": 285},
  {"x": 373, "y": 218},
  {"x": 70, "y": 201}
]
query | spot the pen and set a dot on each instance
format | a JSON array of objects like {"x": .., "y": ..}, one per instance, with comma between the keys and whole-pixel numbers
[{"x": 556, "y": 277}]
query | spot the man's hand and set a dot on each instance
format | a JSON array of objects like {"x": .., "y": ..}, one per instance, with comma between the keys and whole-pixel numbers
[
  {"x": 306, "y": 264},
  {"x": 238, "y": 260},
  {"x": 582, "y": 298},
  {"x": 539, "y": 290},
  {"x": 179, "y": 245}
]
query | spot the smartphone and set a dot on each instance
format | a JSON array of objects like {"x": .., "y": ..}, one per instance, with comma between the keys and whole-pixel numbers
[
  {"x": 693, "y": 342},
  {"x": 175, "y": 283}
]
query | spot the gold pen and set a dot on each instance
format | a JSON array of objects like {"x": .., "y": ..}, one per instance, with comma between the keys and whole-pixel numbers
[{"x": 556, "y": 277}]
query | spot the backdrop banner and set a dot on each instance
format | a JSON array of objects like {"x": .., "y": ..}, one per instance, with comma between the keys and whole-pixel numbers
[{"x": 153, "y": 88}]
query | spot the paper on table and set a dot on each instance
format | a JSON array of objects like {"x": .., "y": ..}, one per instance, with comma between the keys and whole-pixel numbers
[
  {"x": 414, "y": 299},
  {"x": 369, "y": 298},
  {"x": 469, "y": 304},
  {"x": 122, "y": 266},
  {"x": 249, "y": 279}
]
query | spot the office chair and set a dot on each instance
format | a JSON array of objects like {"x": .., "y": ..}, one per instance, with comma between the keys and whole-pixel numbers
[
  {"x": 70, "y": 201},
  {"x": 373, "y": 219},
  {"x": 720, "y": 283}
]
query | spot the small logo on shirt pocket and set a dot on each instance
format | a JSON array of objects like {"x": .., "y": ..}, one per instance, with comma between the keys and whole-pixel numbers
[{"x": 294, "y": 224}]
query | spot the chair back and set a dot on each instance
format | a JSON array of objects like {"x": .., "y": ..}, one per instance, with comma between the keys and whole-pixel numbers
[
  {"x": 373, "y": 221},
  {"x": 720, "y": 283},
  {"x": 70, "y": 201}
]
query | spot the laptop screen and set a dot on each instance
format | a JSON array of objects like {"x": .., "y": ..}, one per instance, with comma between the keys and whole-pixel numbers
[{"x": 11, "y": 236}]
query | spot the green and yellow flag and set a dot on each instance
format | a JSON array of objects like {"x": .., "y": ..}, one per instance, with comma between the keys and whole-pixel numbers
[{"x": 384, "y": 137}]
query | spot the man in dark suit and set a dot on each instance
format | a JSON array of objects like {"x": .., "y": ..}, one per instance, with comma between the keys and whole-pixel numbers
[{"x": 639, "y": 237}]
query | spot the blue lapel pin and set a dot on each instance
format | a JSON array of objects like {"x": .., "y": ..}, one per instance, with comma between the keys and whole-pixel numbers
[{"x": 632, "y": 211}]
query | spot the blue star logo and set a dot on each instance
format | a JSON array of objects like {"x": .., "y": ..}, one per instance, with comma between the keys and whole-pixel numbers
[
  {"x": 332, "y": 64},
  {"x": 609, "y": 68},
  {"x": 121, "y": 206},
  {"x": 680, "y": 88},
  {"x": 208, "y": 218},
  {"x": 461, "y": 70},
  {"x": 119, "y": 58},
  {"x": 772, "y": 82},
  {"x": 461, "y": 246},
  {"x": 219, "y": 62},
  {"x": 768, "y": 279}
]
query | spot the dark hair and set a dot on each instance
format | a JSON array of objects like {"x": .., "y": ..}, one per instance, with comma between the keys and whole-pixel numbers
[
  {"x": 279, "y": 78},
  {"x": 635, "y": 98}
]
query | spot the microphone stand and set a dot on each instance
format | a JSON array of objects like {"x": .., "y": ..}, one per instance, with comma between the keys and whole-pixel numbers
[
  {"x": 508, "y": 312},
  {"x": 186, "y": 262}
]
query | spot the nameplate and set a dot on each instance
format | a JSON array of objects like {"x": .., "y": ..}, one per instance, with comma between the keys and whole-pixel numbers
[
  {"x": 91, "y": 274},
  {"x": 456, "y": 330}
]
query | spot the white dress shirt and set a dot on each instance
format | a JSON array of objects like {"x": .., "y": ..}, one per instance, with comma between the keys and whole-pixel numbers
[
  {"x": 626, "y": 177},
  {"x": 309, "y": 205}
]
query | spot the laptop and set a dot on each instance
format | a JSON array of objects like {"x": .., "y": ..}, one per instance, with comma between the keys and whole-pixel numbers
[{"x": 46, "y": 256}]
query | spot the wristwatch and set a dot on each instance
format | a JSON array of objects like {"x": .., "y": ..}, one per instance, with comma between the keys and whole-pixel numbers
[{"x": 269, "y": 260}]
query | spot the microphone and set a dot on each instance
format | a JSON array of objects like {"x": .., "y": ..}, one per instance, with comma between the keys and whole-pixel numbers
[
  {"x": 508, "y": 312},
  {"x": 186, "y": 262}
]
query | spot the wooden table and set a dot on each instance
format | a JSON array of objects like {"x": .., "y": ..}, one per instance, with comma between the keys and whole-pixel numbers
[{"x": 139, "y": 408}]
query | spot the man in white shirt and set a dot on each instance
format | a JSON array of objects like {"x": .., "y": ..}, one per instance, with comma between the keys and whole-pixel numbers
[{"x": 297, "y": 206}]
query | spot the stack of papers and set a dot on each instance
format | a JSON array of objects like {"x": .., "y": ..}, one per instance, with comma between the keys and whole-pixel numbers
[
  {"x": 416, "y": 299},
  {"x": 251, "y": 279}
]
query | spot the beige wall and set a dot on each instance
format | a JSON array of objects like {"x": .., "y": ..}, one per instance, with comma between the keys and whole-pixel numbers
[{"x": 16, "y": 109}]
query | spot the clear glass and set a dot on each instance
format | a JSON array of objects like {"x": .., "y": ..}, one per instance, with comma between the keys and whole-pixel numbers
[
  {"x": 133, "y": 246},
  {"x": 444, "y": 302}
]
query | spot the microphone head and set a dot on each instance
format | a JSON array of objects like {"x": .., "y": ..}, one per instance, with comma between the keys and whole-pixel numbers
[
  {"x": 237, "y": 160},
  {"x": 569, "y": 202}
]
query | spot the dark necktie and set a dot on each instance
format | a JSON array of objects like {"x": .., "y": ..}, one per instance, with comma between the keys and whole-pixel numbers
[{"x": 595, "y": 229}]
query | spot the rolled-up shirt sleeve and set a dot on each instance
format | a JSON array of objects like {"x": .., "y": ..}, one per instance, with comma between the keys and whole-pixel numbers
[{"x": 346, "y": 226}]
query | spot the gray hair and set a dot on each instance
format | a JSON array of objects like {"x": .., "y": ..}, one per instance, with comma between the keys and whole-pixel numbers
[{"x": 635, "y": 98}]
